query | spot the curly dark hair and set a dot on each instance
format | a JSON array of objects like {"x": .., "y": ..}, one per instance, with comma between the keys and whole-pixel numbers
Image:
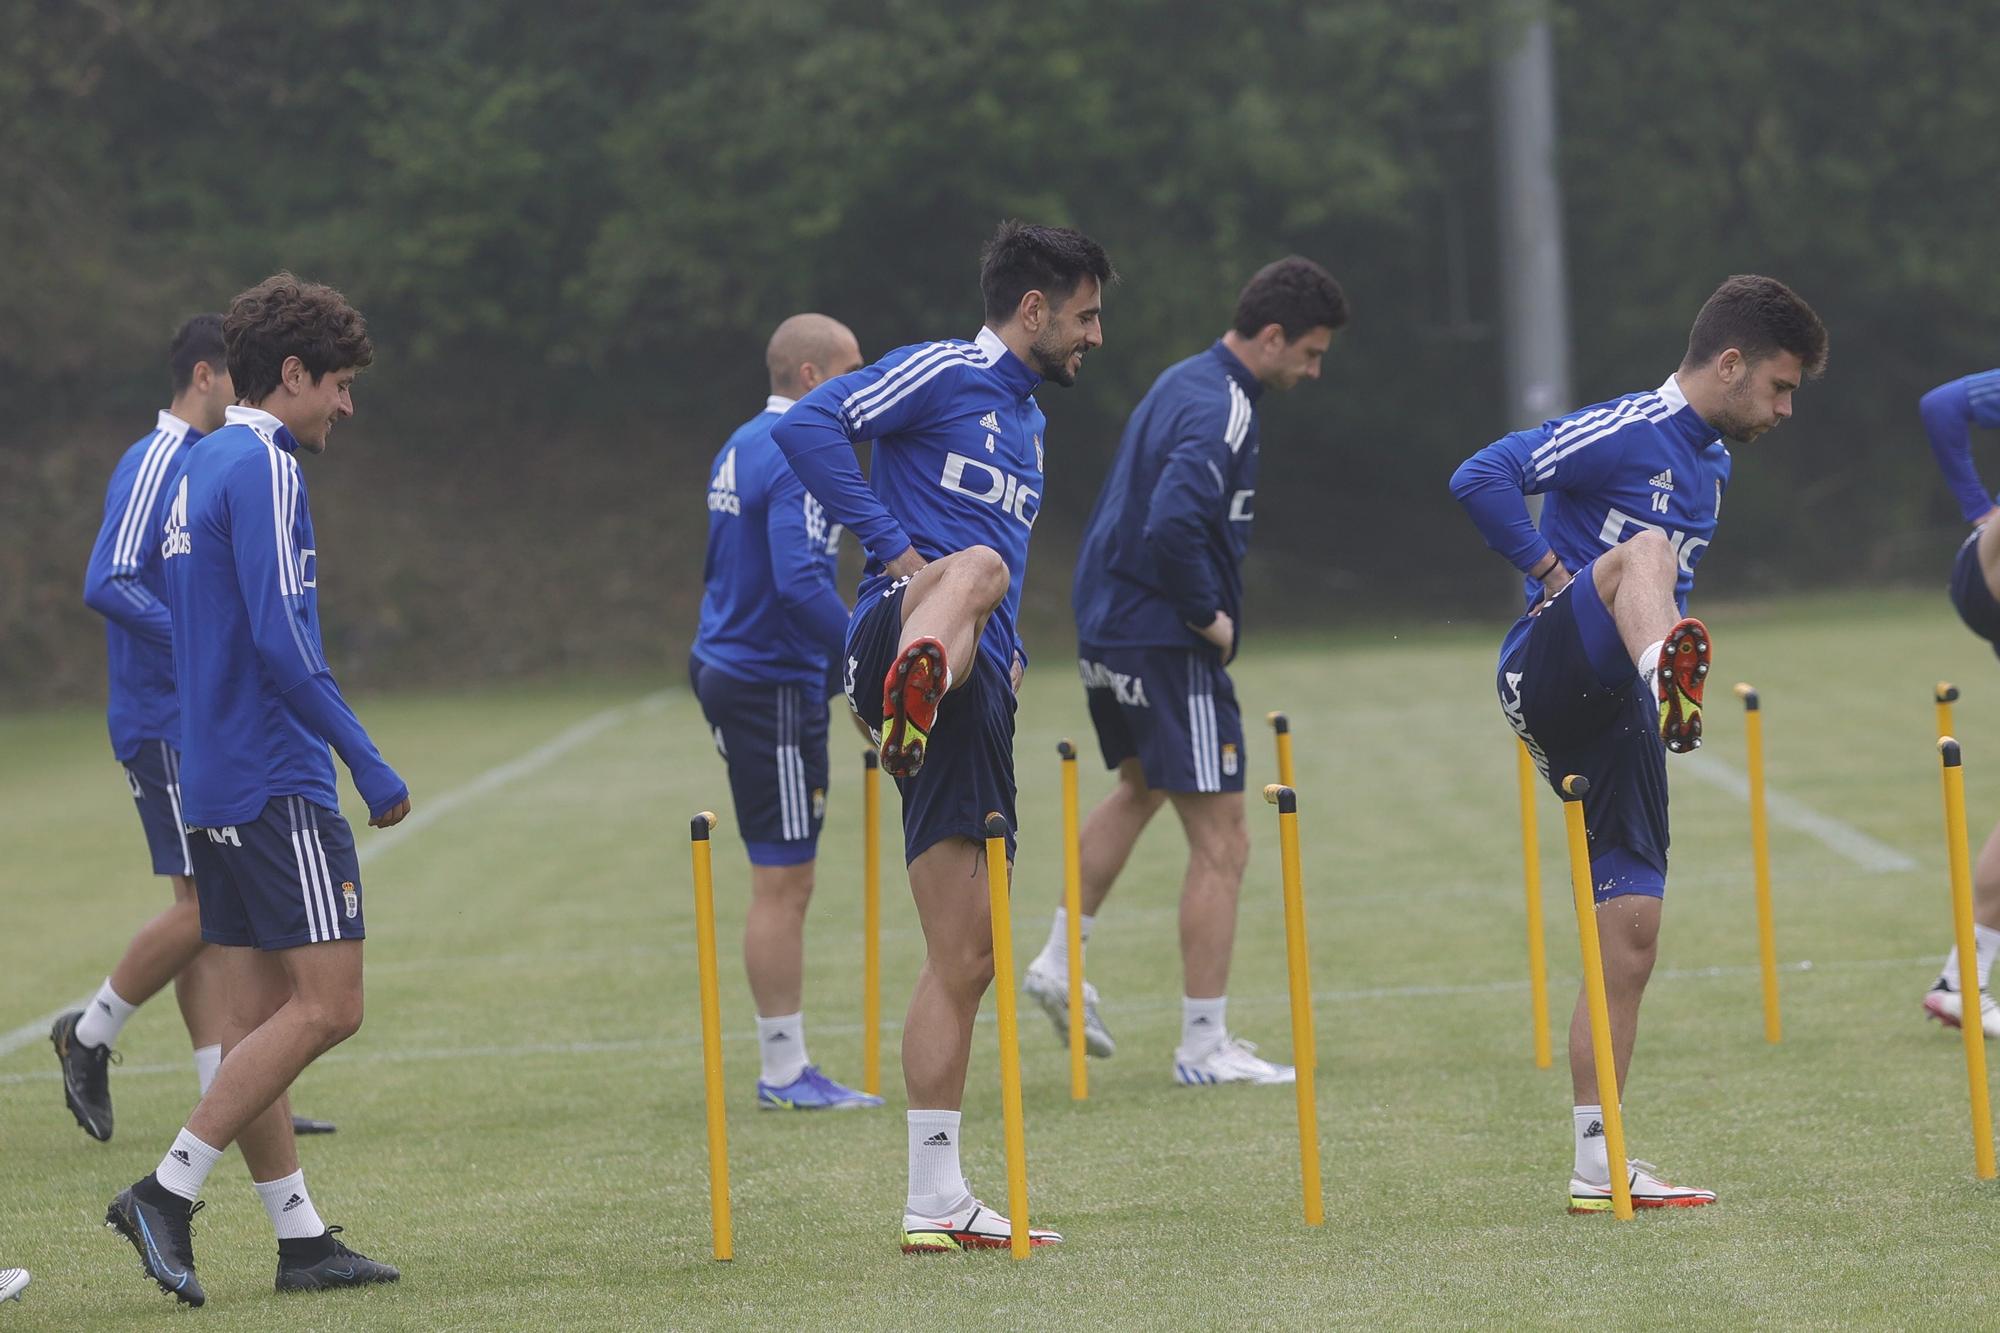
[
  {"x": 285, "y": 316},
  {"x": 1293, "y": 293},
  {"x": 1757, "y": 316}
]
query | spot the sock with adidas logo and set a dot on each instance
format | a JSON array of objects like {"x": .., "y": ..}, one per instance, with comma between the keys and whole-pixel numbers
[
  {"x": 290, "y": 1207},
  {"x": 184, "y": 1170},
  {"x": 1202, "y": 1023},
  {"x": 781, "y": 1044},
  {"x": 1649, "y": 664},
  {"x": 1986, "y": 945},
  {"x": 937, "y": 1185},
  {"x": 1593, "y": 1163},
  {"x": 1054, "y": 957},
  {"x": 104, "y": 1017}
]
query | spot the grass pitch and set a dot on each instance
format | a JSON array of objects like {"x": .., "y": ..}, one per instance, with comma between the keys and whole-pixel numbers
[{"x": 521, "y": 1115}]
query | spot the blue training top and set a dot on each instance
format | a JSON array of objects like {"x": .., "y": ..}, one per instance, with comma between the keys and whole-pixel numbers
[{"x": 1946, "y": 412}]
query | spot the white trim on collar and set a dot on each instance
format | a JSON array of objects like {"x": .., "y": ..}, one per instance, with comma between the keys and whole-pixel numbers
[
  {"x": 1670, "y": 393},
  {"x": 238, "y": 415},
  {"x": 172, "y": 424},
  {"x": 991, "y": 343},
  {"x": 777, "y": 402}
]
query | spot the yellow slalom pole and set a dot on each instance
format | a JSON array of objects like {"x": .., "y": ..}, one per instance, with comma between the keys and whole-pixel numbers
[
  {"x": 1079, "y": 1078},
  {"x": 1959, "y": 854},
  {"x": 1944, "y": 695},
  {"x": 711, "y": 1035},
  {"x": 1010, "y": 1044},
  {"x": 1305, "y": 1056},
  {"x": 1531, "y": 875},
  {"x": 1282, "y": 726},
  {"x": 871, "y": 923},
  {"x": 1573, "y": 789},
  {"x": 1760, "y": 860}
]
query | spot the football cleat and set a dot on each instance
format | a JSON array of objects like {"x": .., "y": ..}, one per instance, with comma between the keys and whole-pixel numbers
[
  {"x": 305, "y": 1124},
  {"x": 1648, "y": 1191},
  {"x": 812, "y": 1091},
  {"x": 910, "y": 695},
  {"x": 318, "y": 1263},
  {"x": 1943, "y": 1002},
  {"x": 1052, "y": 993},
  {"x": 973, "y": 1227},
  {"x": 13, "y": 1281},
  {"x": 1230, "y": 1060},
  {"x": 86, "y": 1077},
  {"x": 1684, "y": 657},
  {"x": 159, "y": 1224}
]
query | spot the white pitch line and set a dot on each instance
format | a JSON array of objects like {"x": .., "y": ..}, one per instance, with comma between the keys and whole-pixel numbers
[
  {"x": 1836, "y": 836},
  {"x": 422, "y": 817}
]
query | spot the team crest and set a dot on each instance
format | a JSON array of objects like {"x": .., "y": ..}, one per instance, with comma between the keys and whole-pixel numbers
[
  {"x": 819, "y": 803},
  {"x": 353, "y": 898},
  {"x": 1229, "y": 759}
]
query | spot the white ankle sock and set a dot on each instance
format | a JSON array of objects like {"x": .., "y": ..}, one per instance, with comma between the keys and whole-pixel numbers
[
  {"x": 1593, "y": 1162},
  {"x": 290, "y": 1208},
  {"x": 1985, "y": 946},
  {"x": 781, "y": 1043},
  {"x": 184, "y": 1170},
  {"x": 1054, "y": 957},
  {"x": 207, "y": 1059},
  {"x": 1202, "y": 1024},
  {"x": 1649, "y": 661},
  {"x": 937, "y": 1184},
  {"x": 104, "y": 1017}
]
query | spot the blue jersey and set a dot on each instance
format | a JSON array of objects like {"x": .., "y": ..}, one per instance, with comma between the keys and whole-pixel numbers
[
  {"x": 1164, "y": 547},
  {"x": 1644, "y": 461},
  {"x": 770, "y": 605},
  {"x": 1946, "y": 412},
  {"x": 258, "y": 705},
  {"x": 957, "y": 461},
  {"x": 125, "y": 583}
]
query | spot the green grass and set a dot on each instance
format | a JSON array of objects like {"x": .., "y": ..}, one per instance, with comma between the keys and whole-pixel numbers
[{"x": 522, "y": 1114}]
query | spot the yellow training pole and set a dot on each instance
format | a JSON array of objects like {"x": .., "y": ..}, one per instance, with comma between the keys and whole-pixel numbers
[
  {"x": 871, "y": 923},
  {"x": 1760, "y": 860},
  {"x": 1282, "y": 725},
  {"x": 1305, "y": 1057},
  {"x": 1079, "y": 1079},
  {"x": 1969, "y": 1025},
  {"x": 1573, "y": 788},
  {"x": 711, "y": 1035},
  {"x": 1531, "y": 874},
  {"x": 1944, "y": 695},
  {"x": 1010, "y": 1045}
]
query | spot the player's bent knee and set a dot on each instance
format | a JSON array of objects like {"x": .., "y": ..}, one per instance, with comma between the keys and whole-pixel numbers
[{"x": 984, "y": 572}]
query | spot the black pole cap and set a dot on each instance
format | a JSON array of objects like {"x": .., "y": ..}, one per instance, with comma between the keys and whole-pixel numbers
[
  {"x": 869, "y": 759},
  {"x": 1279, "y": 722},
  {"x": 1949, "y": 749},
  {"x": 1287, "y": 800},
  {"x": 1945, "y": 693},
  {"x": 1575, "y": 787},
  {"x": 1748, "y": 694},
  {"x": 996, "y": 825},
  {"x": 1065, "y": 749},
  {"x": 699, "y": 826}
]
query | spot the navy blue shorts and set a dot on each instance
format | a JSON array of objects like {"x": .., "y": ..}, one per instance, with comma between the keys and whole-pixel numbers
[
  {"x": 1173, "y": 709},
  {"x": 968, "y": 767},
  {"x": 1569, "y": 688},
  {"x": 1970, "y": 594},
  {"x": 773, "y": 738},
  {"x": 154, "y": 774},
  {"x": 287, "y": 878}
]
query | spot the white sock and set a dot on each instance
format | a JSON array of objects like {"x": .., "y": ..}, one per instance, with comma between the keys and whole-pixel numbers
[
  {"x": 1649, "y": 661},
  {"x": 290, "y": 1207},
  {"x": 207, "y": 1059},
  {"x": 781, "y": 1042},
  {"x": 1985, "y": 946},
  {"x": 104, "y": 1017},
  {"x": 1054, "y": 957},
  {"x": 937, "y": 1185},
  {"x": 1202, "y": 1023},
  {"x": 184, "y": 1170},
  {"x": 1593, "y": 1163}
]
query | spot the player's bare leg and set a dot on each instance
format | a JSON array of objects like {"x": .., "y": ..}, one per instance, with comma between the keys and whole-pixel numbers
[
  {"x": 774, "y": 936},
  {"x": 945, "y": 608},
  {"x": 1943, "y": 1000},
  {"x": 164, "y": 948},
  {"x": 322, "y": 1010},
  {"x": 1218, "y": 852},
  {"x": 1635, "y": 580}
]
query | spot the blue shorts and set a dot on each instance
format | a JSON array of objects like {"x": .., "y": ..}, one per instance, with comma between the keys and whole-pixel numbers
[
  {"x": 1970, "y": 594},
  {"x": 287, "y": 878},
  {"x": 1173, "y": 709},
  {"x": 154, "y": 775},
  {"x": 773, "y": 738},
  {"x": 1569, "y": 688},
  {"x": 968, "y": 769}
]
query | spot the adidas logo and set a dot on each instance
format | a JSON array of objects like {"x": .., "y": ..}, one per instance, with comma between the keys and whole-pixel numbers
[
  {"x": 722, "y": 497},
  {"x": 105, "y": 1007},
  {"x": 291, "y": 1203},
  {"x": 781, "y": 1036},
  {"x": 938, "y": 1140},
  {"x": 180, "y": 1155},
  {"x": 1201, "y": 1022},
  {"x": 991, "y": 421},
  {"x": 1595, "y": 1130},
  {"x": 1663, "y": 480}
]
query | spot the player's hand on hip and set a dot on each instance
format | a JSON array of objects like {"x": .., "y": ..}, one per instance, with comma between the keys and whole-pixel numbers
[
  {"x": 1014, "y": 675},
  {"x": 904, "y": 565},
  {"x": 395, "y": 814},
  {"x": 1220, "y": 631},
  {"x": 1553, "y": 582}
]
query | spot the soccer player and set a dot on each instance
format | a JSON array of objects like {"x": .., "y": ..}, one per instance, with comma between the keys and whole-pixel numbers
[
  {"x": 274, "y": 863},
  {"x": 1947, "y": 412},
  {"x": 1159, "y": 599},
  {"x": 1603, "y": 674},
  {"x": 766, "y": 660},
  {"x": 123, "y": 583},
  {"x": 932, "y": 658}
]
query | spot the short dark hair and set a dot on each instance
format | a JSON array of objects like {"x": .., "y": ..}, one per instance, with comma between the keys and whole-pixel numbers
[
  {"x": 285, "y": 316},
  {"x": 1023, "y": 258},
  {"x": 1758, "y": 316},
  {"x": 1293, "y": 293},
  {"x": 198, "y": 340}
]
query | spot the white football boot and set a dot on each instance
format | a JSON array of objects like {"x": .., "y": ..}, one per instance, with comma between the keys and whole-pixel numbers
[
  {"x": 1230, "y": 1060},
  {"x": 1648, "y": 1191},
  {"x": 13, "y": 1281},
  {"x": 1947, "y": 1006},
  {"x": 971, "y": 1227},
  {"x": 1052, "y": 993}
]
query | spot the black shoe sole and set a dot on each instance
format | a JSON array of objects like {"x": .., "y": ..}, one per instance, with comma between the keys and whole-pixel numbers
[
  {"x": 117, "y": 1221},
  {"x": 305, "y": 1124}
]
